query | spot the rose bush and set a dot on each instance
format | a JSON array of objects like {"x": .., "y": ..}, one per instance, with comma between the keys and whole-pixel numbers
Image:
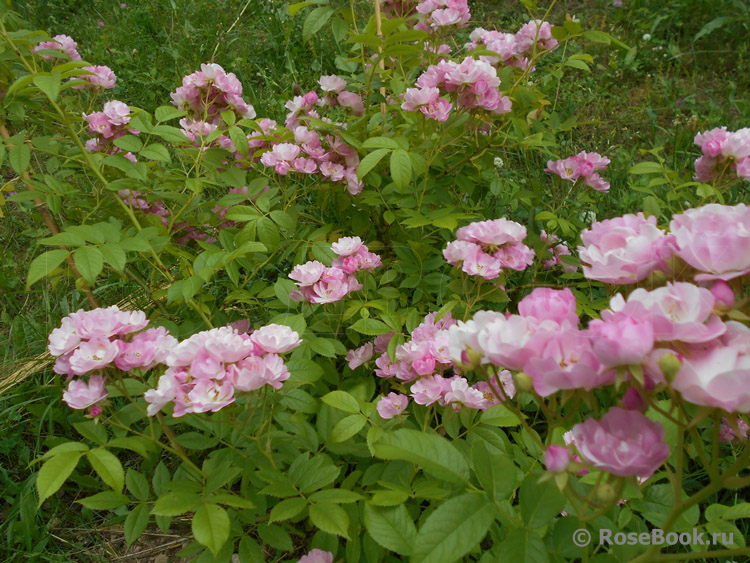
[{"x": 359, "y": 343}]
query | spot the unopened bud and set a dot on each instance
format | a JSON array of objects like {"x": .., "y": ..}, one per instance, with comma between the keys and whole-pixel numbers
[
  {"x": 605, "y": 492},
  {"x": 523, "y": 381},
  {"x": 669, "y": 366}
]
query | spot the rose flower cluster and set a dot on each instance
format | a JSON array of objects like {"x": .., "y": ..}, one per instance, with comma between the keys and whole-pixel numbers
[
  {"x": 582, "y": 167},
  {"x": 723, "y": 151},
  {"x": 90, "y": 341},
  {"x": 95, "y": 76},
  {"x": 207, "y": 370},
  {"x": 486, "y": 248},
  {"x": 513, "y": 49},
  {"x": 320, "y": 284},
  {"x": 107, "y": 125},
  {"x": 422, "y": 363}
]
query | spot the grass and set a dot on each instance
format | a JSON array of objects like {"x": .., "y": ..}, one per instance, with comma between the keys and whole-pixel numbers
[{"x": 658, "y": 93}]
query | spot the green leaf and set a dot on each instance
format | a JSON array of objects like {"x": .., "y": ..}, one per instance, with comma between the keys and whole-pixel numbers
[
  {"x": 239, "y": 140},
  {"x": 94, "y": 432},
  {"x": 540, "y": 502},
  {"x": 137, "y": 484},
  {"x": 341, "y": 400},
  {"x": 175, "y": 503},
  {"x": 712, "y": 26},
  {"x": 107, "y": 500},
  {"x": 380, "y": 143},
  {"x": 165, "y": 113},
  {"x": 371, "y": 327},
  {"x": 156, "y": 151},
  {"x": 211, "y": 527},
  {"x": 741, "y": 510},
  {"x": 370, "y": 161},
  {"x": 128, "y": 143},
  {"x": 347, "y": 427},
  {"x": 392, "y": 528},
  {"x": 330, "y": 518},
  {"x": 19, "y": 158},
  {"x": 576, "y": 63},
  {"x": 523, "y": 546},
  {"x": 436, "y": 455},
  {"x": 499, "y": 415},
  {"x": 294, "y": 8},
  {"x": 286, "y": 509},
  {"x": 597, "y": 37},
  {"x": 135, "y": 523},
  {"x": 400, "y": 168},
  {"x": 54, "y": 472},
  {"x": 64, "y": 239},
  {"x": 322, "y": 346},
  {"x": 89, "y": 262},
  {"x": 232, "y": 500},
  {"x": 496, "y": 472},
  {"x": 646, "y": 168},
  {"x": 315, "y": 20},
  {"x": 339, "y": 496},
  {"x": 452, "y": 530},
  {"x": 108, "y": 467},
  {"x": 114, "y": 255},
  {"x": 49, "y": 84},
  {"x": 43, "y": 264}
]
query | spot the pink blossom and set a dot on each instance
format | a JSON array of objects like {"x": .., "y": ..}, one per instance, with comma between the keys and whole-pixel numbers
[
  {"x": 724, "y": 297},
  {"x": 460, "y": 393},
  {"x": 81, "y": 394},
  {"x": 718, "y": 375},
  {"x": 308, "y": 273},
  {"x": 623, "y": 443},
  {"x": 165, "y": 392},
  {"x": 346, "y": 246},
  {"x": 332, "y": 83},
  {"x": 429, "y": 390},
  {"x": 360, "y": 356},
  {"x": 557, "y": 305},
  {"x": 62, "y": 43},
  {"x": 556, "y": 458},
  {"x": 439, "y": 110},
  {"x": 624, "y": 249},
  {"x": 351, "y": 101},
  {"x": 101, "y": 76},
  {"x": 634, "y": 401},
  {"x": 276, "y": 338},
  {"x": 210, "y": 395},
  {"x": 317, "y": 556},
  {"x": 64, "y": 339},
  {"x": 94, "y": 354},
  {"x": 728, "y": 434},
  {"x": 679, "y": 311},
  {"x": 391, "y": 405},
  {"x": 622, "y": 338},
  {"x": 414, "y": 98},
  {"x": 714, "y": 239}
]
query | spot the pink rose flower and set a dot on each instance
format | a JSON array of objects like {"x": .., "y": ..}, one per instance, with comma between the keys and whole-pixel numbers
[
  {"x": 623, "y": 443},
  {"x": 557, "y": 305},
  {"x": 556, "y": 458},
  {"x": 718, "y": 375},
  {"x": 317, "y": 556},
  {"x": 332, "y": 83},
  {"x": 276, "y": 338},
  {"x": 360, "y": 356},
  {"x": 624, "y": 249},
  {"x": 81, "y": 394},
  {"x": 623, "y": 338},
  {"x": 95, "y": 354},
  {"x": 714, "y": 239},
  {"x": 391, "y": 405}
]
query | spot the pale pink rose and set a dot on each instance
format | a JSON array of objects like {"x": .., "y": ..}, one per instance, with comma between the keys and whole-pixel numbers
[
  {"x": 276, "y": 338},
  {"x": 462, "y": 339},
  {"x": 439, "y": 110},
  {"x": 424, "y": 365},
  {"x": 723, "y": 295},
  {"x": 510, "y": 343},
  {"x": 317, "y": 556},
  {"x": 276, "y": 371},
  {"x": 622, "y": 338},
  {"x": 207, "y": 366},
  {"x": 360, "y": 356},
  {"x": 95, "y": 354},
  {"x": 249, "y": 374},
  {"x": 225, "y": 344},
  {"x": 714, "y": 239},
  {"x": 461, "y": 393},
  {"x": 329, "y": 291},
  {"x": 496, "y": 232},
  {"x": 382, "y": 341},
  {"x": 101, "y": 76},
  {"x": 97, "y": 323},
  {"x": 332, "y": 83},
  {"x": 165, "y": 392},
  {"x": 414, "y": 98},
  {"x": 209, "y": 395},
  {"x": 64, "y": 339},
  {"x": 624, "y": 249},
  {"x": 429, "y": 390},
  {"x": 81, "y": 394},
  {"x": 62, "y": 43},
  {"x": 483, "y": 265},
  {"x": 351, "y": 101},
  {"x": 135, "y": 354},
  {"x": 728, "y": 434},
  {"x": 544, "y": 303},
  {"x": 718, "y": 375},
  {"x": 556, "y": 458},
  {"x": 117, "y": 112},
  {"x": 623, "y": 443},
  {"x": 391, "y": 405},
  {"x": 285, "y": 151},
  {"x": 565, "y": 360},
  {"x": 458, "y": 250},
  {"x": 679, "y": 311},
  {"x": 346, "y": 246},
  {"x": 308, "y": 273}
]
